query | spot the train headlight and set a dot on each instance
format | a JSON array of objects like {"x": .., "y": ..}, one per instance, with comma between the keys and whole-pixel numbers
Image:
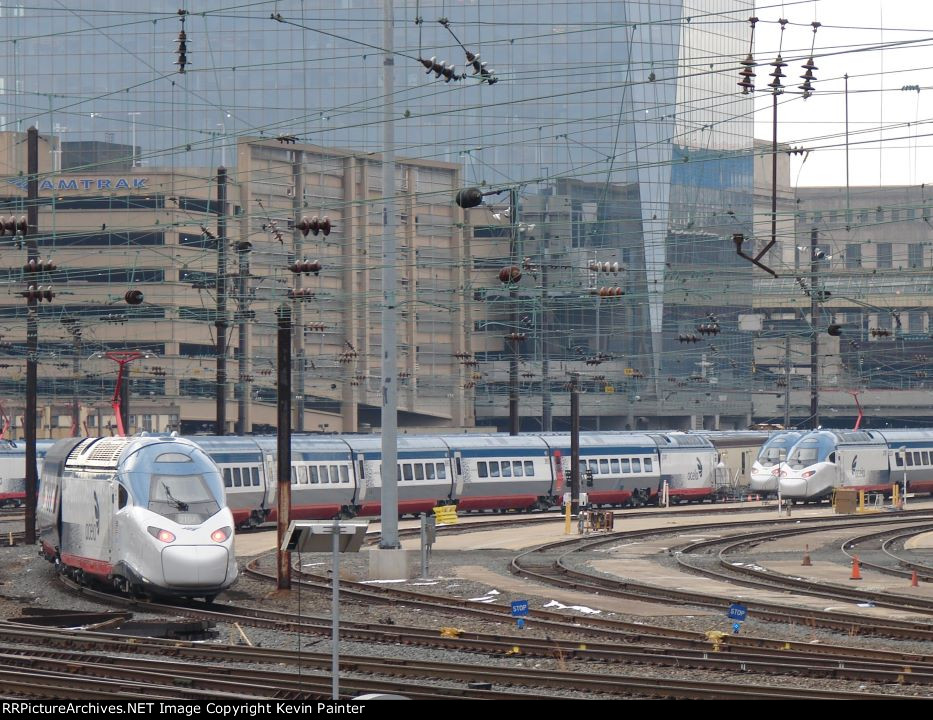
[
  {"x": 221, "y": 534},
  {"x": 160, "y": 534},
  {"x": 808, "y": 473}
]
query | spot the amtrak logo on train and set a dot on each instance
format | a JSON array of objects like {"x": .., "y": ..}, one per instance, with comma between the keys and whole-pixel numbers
[
  {"x": 856, "y": 471},
  {"x": 97, "y": 512},
  {"x": 699, "y": 467}
]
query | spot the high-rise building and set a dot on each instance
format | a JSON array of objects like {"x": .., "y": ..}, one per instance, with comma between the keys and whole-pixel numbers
[{"x": 617, "y": 126}]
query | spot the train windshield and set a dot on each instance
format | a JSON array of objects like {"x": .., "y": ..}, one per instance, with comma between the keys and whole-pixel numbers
[
  {"x": 184, "y": 499},
  {"x": 811, "y": 450},
  {"x": 179, "y": 483},
  {"x": 775, "y": 450}
]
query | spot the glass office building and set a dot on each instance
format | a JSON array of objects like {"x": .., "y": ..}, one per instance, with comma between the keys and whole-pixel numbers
[{"x": 629, "y": 109}]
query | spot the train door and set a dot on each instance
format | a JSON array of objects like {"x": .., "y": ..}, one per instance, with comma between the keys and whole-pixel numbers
[
  {"x": 270, "y": 469},
  {"x": 362, "y": 480},
  {"x": 457, "y": 468}
]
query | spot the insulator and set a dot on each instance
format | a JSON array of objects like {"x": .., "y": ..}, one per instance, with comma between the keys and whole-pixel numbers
[
  {"x": 607, "y": 266},
  {"x": 133, "y": 297},
  {"x": 511, "y": 274}
]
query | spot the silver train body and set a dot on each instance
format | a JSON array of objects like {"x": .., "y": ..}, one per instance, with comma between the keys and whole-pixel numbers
[
  {"x": 143, "y": 514},
  {"x": 341, "y": 475},
  {"x": 766, "y": 470},
  {"x": 870, "y": 460}
]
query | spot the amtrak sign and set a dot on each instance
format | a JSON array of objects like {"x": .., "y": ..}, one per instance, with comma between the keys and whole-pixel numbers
[{"x": 58, "y": 184}]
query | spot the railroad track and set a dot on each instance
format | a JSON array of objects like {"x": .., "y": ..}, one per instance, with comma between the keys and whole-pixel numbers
[{"x": 549, "y": 564}]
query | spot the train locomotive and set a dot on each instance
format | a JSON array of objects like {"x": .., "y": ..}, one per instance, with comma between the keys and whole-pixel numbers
[
  {"x": 146, "y": 515},
  {"x": 766, "y": 470},
  {"x": 870, "y": 460}
]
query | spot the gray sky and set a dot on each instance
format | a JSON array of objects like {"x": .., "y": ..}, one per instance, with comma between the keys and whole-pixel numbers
[{"x": 890, "y": 129}]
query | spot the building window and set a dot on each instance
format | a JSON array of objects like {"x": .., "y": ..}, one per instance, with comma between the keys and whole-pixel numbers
[
  {"x": 915, "y": 255},
  {"x": 853, "y": 256},
  {"x": 884, "y": 255}
]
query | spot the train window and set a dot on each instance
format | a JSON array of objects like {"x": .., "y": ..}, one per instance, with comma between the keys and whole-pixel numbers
[
  {"x": 916, "y": 458},
  {"x": 898, "y": 460},
  {"x": 647, "y": 464},
  {"x": 238, "y": 478},
  {"x": 314, "y": 475},
  {"x": 926, "y": 457},
  {"x": 831, "y": 458},
  {"x": 604, "y": 467},
  {"x": 173, "y": 457},
  {"x": 429, "y": 471},
  {"x": 122, "y": 497},
  {"x": 459, "y": 468},
  {"x": 594, "y": 467},
  {"x": 399, "y": 472},
  {"x": 910, "y": 459},
  {"x": 255, "y": 471},
  {"x": 506, "y": 469},
  {"x": 362, "y": 470},
  {"x": 614, "y": 465},
  {"x": 636, "y": 465},
  {"x": 626, "y": 466},
  {"x": 406, "y": 472},
  {"x": 344, "y": 474},
  {"x": 323, "y": 474},
  {"x": 583, "y": 467},
  {"x": 529, "y": 468},
  {"x": 442, "y": 470},
  {"x": 419, "y": 471},
  {"x": 481, "y": 469},
  {"x": 302, "y": 475},
  {"x": 228, "y": 477},
  {"x": 493, "y": 469},
  {"x": 334, "y": 474},
  {"x": 517, "y": 468}
]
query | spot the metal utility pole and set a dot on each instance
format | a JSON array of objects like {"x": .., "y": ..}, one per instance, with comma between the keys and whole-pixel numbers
[
  {"x": 574, "y": 442},
  {"x": 299, "y": 339},
  {"x": 76, "y": 372},
  {"x": 242, "y": 352},
  {"x": 32, "y": 333},
  {"x": 815, "y": 335},
  {"x": 220, "y": 323},
  {"x": 389, "y": 469},
  {"x": 787, "y": 381},
  {"x": 284, "y": 439},
  {"x": 546, "y": 417},
  {"x": 516, "y": 335}
]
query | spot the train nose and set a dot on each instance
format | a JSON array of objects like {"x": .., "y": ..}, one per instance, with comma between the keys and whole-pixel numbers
[
  {"x": 793, "y": 487},
  {"x": 764, "y": 481}
]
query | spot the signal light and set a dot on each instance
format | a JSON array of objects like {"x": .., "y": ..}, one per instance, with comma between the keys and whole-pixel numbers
[
  {"x": 314, "y": 225},
  {"x": 133, "y": 297}
]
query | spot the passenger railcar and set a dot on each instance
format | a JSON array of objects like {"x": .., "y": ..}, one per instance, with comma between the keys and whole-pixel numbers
[
  {"x": 13, "y": 470},
  {"x": 143, "y": 514}
]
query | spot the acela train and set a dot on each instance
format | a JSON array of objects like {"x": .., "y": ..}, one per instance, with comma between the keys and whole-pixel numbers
[
  {"x": 870, "y": 460},
  {"x": 766, "y": 470},
  {"x": 146, "y": 515}
]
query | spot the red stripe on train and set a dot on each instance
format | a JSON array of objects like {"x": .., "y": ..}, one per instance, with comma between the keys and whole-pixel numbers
[{"x": 91, "y": 566}]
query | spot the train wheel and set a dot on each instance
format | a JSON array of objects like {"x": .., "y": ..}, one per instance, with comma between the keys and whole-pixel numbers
[{"x": 209, "y": 599}]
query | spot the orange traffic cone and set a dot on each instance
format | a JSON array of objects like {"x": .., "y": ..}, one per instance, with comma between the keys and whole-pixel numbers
[
  {"x": 806, "y": 557},
  {"x": 856, "y": 575},
  {"x": 914, "y": 580}
]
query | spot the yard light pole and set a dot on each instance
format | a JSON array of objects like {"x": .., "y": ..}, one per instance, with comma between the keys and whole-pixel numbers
[{"x": 510, "y": 275}]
